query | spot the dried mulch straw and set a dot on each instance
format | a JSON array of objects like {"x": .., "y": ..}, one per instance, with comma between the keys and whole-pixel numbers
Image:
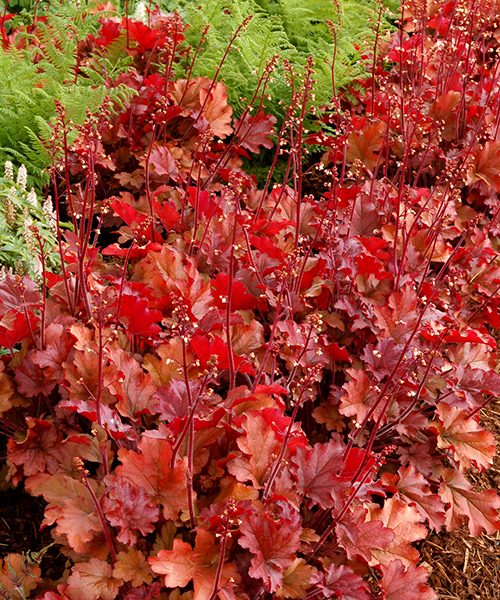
[{"x": 463, "y": 567}]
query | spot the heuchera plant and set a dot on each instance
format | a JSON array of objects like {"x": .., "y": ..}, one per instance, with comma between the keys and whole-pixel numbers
[{"x": 264, "y": 392}]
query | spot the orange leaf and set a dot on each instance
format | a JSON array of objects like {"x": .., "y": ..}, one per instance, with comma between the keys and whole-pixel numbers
[
  {"x": 469, "y": 442},
  {"x": 183, "y": 564},
  {"x": 481, "y": 509}
]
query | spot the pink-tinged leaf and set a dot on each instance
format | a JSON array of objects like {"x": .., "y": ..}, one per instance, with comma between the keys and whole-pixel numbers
[
  {"x": 39, "y": 451},
  {"x": 129, "y": 508},
  {"x": 254, "y": 131},
  {"x": 400, "y": 583},
  {"x": 317, "y": 471},
  {"x": 398, "y": 318},
  {"x": 150, "y": 469},
  {"x": 480, "y": 509},
  {"x": 359, "y": 396},
  {"x": 183, "y": 564},
  {"x": 414, "y": 489},
  {"x": 135, "y": 388},
  {"x": 405, "y": 522},
  {"x": 358, "y": 537},
  {"x": 470, "y": 443},
  {"x": 259, "y": 446},
  {"x": 365, "y": 143},
  {"x": 216, "y": 109},
  {"x": 272, "y": 534},
  {"x": 70, "y": 507},
  {"x": 164, "y": 164},
  {"x": 486, "y": 166},
  {"x": 92, "y": 580},
  {"x": 341, "y": 582}
]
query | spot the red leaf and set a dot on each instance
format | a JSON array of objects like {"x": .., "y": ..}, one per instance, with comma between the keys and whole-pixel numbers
[
  {"x": 146, "y": 37},
  {"x": 317, "y": 470},
  {"x": 138, "y": 317},
  {"x": 359, "y": 537},
  {"x": 15, "y": 327},
  {"x": 129, "y": 508},
  {"x": 480, "y": 509},
  {"x": 254, "y": 131},
  {"x": 272, "y": 534},
  {"x": 127, "y": 212},
  {"x": 240, "y": 298},
  {"x": 341, "y": 582},
  {"x": 259, "y": 445},
  {"x": 400, "y": 583},
  {"x": 216, "y": 348},
  {"x": 200, "y": 200},
  {"x": 109, "y": 32},
  {"x": 414, "y": 489},
  {"x": 470, "y": 443}
]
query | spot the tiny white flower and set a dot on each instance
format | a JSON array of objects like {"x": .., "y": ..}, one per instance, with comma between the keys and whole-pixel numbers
[
  {"x": 22, "y": 177},
  {"x": 9, "y": 170},
  {"x": 50, "y": 213},
  {"x": 31, "y": 198},
  {"x": 140, "y": 13}
]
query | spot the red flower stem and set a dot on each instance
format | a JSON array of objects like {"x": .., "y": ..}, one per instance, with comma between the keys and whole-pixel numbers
[
  {"x": 189, "y": 472},
  {"x": 44, "y": 292},
  {"x": 100, "y": 514},
  {"x": 147, "y": 183},
  {"x": 203, "y": 36},
  {"x": 218, "y": 574},
  {"x": 235, "y": 35},
  {"x": 229, "y": 341},
  {"x": 180, "y": 439},
  {"x": 277, "y": 463}
]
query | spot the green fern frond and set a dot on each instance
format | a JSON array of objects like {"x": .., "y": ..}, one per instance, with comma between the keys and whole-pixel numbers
[
  {"x": 32, "y": 79},
  {"x": 293, "y": 29}
]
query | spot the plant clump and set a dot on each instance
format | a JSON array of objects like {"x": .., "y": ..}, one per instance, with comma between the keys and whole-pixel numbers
[{"x": 236, "y": 389}]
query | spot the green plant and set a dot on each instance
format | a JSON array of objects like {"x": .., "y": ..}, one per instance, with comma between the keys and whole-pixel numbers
[
  {"x": 27, "y": 228},
  {"x": 44, "y": 62},
  {"x": 330, "y": 32}
]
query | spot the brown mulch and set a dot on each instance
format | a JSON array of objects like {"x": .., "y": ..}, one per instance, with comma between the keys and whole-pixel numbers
[{"x": 463, "y": 567}]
